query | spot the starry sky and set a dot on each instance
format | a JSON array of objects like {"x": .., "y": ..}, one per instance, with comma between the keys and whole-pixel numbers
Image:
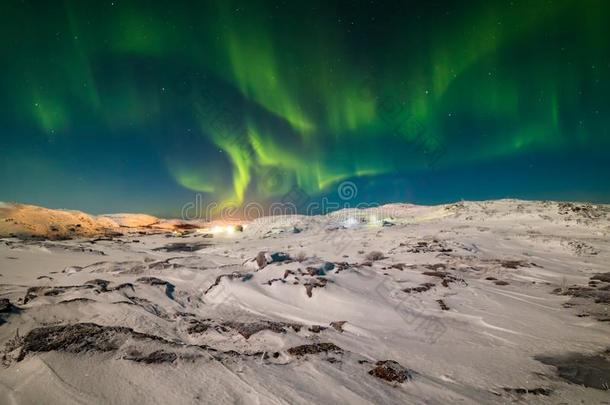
[{"x": 111, "y": 106}]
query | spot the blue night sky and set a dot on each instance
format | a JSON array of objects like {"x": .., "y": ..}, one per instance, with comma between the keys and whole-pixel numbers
[{"x": 113, "y": 106}]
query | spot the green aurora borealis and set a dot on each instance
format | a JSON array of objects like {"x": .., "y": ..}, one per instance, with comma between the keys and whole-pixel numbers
[{"x": 137, "y": 106}]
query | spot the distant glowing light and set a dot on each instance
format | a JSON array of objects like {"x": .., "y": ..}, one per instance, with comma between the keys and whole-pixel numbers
[
  {"x": 225, "y": 229},
  {"x": 373, "y": 220},
  {"x": 351, "y": 222}
]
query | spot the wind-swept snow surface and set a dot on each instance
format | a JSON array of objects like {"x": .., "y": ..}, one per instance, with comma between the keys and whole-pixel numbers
[{"x": 491, "y": 302}]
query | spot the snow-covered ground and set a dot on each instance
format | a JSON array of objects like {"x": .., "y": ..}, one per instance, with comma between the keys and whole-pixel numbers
[{"x": 475, "y": 302}]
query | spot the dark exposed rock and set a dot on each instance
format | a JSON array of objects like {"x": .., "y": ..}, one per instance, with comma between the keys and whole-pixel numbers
[
  {"x": 122, "y": 286},
  {"x": 185, "y": 226},
  {"x": 586, "y": 211},
  {"x": 602, "y": 298},
  {"x": 446, "y": 277},
  {"x": 439, "y": 274},
  {"x": 51, "y": 292},
  {"x": 197, "y": 327},
  {"x": 605, "y": 277},
  {"x": 315, "y": 271},
  {"x": 590, "y": 370},
  {"x": 79, "y": 299},
  {"x": 392, "y": 371},
  {"x": 156, "y": 357},
  {"x": 79, "y": 338},
  {"x": 314, "y": 283},
  {"x": 533, "y": 391},
  {"x": 433, "y": 246},
  {"x": 338, "y": 325},
  {"x": 151, "y": 281},
  {"x": 501, "y": 282},
  {"x": 316, "y": 328},
  {"x": 581, "y": 248},
  {"x": 314, "y": 348},
  {"x": 261, "y": 260},
  {"x": 436, "y": 266},
  {"x": 514, "y": 264},
  {"x": 442, "y": 304},
  {"x": 231, "y": 276},
  {"x": 341, "y": 266},
  {"x": 421, "y": 288},
  {"x": 251, "y": 328},
  {"x": 279, "y": 257},
  {"x": 102, "y": 284},
  {"x": 182, "y": 247},
  {"x": 169, "y": 287},
  {"x": 35, "y": 292},
  {"x": 150, "y": 307},
  {"x": 577, "y": 291},
  {"x": 595, "y": 296},
  {"x": 6, "y": 307}
]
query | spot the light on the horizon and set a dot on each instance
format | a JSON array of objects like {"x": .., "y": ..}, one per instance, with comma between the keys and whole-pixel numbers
[
  {"x": 351, "y": 222},
  {"x": 374, "y": 221}
]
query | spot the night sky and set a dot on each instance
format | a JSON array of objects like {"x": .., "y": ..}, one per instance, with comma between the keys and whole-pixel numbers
[{"x": 113, "y": 106}]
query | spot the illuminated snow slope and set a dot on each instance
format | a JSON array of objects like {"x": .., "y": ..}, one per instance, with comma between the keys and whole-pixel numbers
[{"x": 474, "y": 301}]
